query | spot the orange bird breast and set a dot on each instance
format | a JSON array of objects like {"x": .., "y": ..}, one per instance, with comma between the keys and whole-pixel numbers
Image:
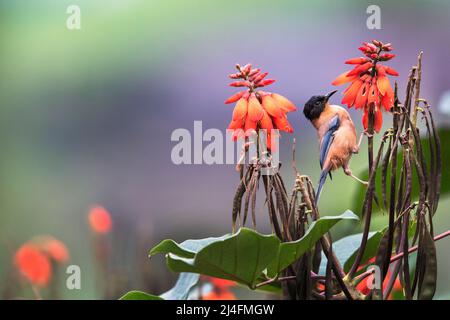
[{"x": 344, "y": 142}]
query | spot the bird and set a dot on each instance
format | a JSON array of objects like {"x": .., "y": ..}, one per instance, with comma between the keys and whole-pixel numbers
[{"x": 337, "y": 137}]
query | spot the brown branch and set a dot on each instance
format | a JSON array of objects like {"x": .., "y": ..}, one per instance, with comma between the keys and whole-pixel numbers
[{"x": 367, "y": 273}]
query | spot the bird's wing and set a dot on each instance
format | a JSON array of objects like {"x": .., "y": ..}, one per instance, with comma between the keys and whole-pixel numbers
[{"x": 327, "y": 139}]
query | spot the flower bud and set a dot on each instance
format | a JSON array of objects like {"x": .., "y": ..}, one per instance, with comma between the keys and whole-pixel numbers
[
  {"x": 386, "y": 56},
  {"x": 381, "y": 70},
  {"x": 387, "y": 47},
  {"x": 240, "y": 84},
  {"x": 234, "y": 97},
  {"x": 371, "y": 46},
  {"x": 359, "y": 60},
  {"x": 265, "y": 82},
  {"x": 377, "y": 43},
  {"x": 391, "y": 71},
  {"x": 360, "y": 69},
  {"x": 343, "y": 78},
  {"x": 246, "y": 69},
  {"x": 254, "y": 72},
  {"x": 260, "y": 77}
]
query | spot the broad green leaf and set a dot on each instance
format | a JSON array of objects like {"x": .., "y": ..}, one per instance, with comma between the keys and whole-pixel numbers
[
  {"x": 183, "y": 287},
  {"x": 371, "y": 248},
  {"x": 139, "y": 295},
  {"x": 185, "y": 249},
  {"x": 241, "y": 257},
  {"x": 181, "y": 291},
  {"x": 244, "y": 256},
  {"x": 291, "y": 251},
  {"x": 346, "y": 249}
]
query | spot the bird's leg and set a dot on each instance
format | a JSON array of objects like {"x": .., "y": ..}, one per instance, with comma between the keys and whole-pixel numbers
[
  {"x": 348, "y": 172},
  {"x": 242, "y": 156},
  {"x": 364, "y": 133}
]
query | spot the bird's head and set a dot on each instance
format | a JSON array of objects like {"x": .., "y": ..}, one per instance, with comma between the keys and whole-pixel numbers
[{"x": 315, "y": 105}]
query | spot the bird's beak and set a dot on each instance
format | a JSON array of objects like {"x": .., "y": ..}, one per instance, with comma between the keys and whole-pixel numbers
[{"x": 328, "y": 96}]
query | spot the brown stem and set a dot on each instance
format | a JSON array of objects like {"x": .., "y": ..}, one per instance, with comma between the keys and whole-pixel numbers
[
  {"x": 367, "y": 208},
  {"x": 417, "y": 93},
  {"x": 367, "y": 273},
  {"x": 413, "y": 249}
]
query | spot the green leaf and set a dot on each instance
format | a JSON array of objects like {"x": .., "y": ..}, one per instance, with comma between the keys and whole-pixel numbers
[
  {"x": 243, "y": 256},
  {"x": 183, "y": 287},
  {"x": 346, "y": 249},
  {"x": 240, "y": 257},
  {"x": 371, "y": 248},
  {"x": 444, "y": 135},
  {"x": 186, "y": 249},
  {"x": 139, "y": 295},
  {"x": 291, "y": 251}
]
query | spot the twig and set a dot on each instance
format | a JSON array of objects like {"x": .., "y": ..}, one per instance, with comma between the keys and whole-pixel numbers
[
  {"x": 314, "y": 276},
  {"x": 413, "y": 249}
]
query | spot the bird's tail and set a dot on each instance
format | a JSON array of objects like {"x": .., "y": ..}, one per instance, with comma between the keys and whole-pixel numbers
[{"x": 323, "y": 178}]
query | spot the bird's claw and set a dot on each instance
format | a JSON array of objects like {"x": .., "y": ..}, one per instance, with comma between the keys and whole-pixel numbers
[{"x": 369, "y": 135}]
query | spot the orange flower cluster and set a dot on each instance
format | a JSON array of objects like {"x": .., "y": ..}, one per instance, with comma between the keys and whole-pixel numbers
[
  {"x": 221, "y": 289},
  {"x": 100, "y": 220},
  {"x": 33, "y": 259},
  {"x": 256, "y": 109},
  {"x": 369, "y": 87}
]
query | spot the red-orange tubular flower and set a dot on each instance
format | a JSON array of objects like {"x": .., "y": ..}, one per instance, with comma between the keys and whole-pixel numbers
[
  {"x": 370, "y": 88},
  {"x": 363, "y": 286},
  {"x": 221, "y": 289},
  {"x": 223, "y": 295},
  {"x": 52, "y": 247},
  {"x": 256, "y": 109},
  {"x": 100, "y": 220},
  {"x": 34, "y": 258},
  {"x": 33, "y": 264}
]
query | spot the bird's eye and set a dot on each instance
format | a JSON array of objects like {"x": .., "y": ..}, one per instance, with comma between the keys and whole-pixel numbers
[{"x": 317, "y": 103}]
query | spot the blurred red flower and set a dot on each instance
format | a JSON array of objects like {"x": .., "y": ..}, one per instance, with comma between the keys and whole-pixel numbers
[
  {"x": 55, "y": 248},
  {"x": 364, "y": 288},
  {"x": 221, "y": 289},
  {"x": 222, "y": 283},
  {"x": 221, "y": 295},
  {"x": 33, "y": 264},
  {"x": 369, "y": 87},
  {"x": 256, "y": 109},
  {"x": 100, "y": 220}
]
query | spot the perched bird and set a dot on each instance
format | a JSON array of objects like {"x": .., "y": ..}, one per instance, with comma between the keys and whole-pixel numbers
[{"x": 337, "y": 136}]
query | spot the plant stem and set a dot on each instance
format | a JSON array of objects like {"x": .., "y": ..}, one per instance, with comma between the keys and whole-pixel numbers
[
  {"x": 314, "y": 276},
  {"x": 398, "y": 256},
  {"x": 413, "y": 249},
  {"x": 36, "y": 292},
  {"x": 417, "y": 89},
  {"x": 368, "y": 205},
  {"x": 326, "y": 244}
]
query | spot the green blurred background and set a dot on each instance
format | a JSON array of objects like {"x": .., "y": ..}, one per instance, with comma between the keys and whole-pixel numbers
[{"x": 87, "y": 115}]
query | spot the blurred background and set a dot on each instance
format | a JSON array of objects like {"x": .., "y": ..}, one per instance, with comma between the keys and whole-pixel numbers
[{"x": 87, "y": 116}]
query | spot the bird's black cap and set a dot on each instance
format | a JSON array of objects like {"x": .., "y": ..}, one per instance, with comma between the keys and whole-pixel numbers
[{"x": 315, "y": 106}]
